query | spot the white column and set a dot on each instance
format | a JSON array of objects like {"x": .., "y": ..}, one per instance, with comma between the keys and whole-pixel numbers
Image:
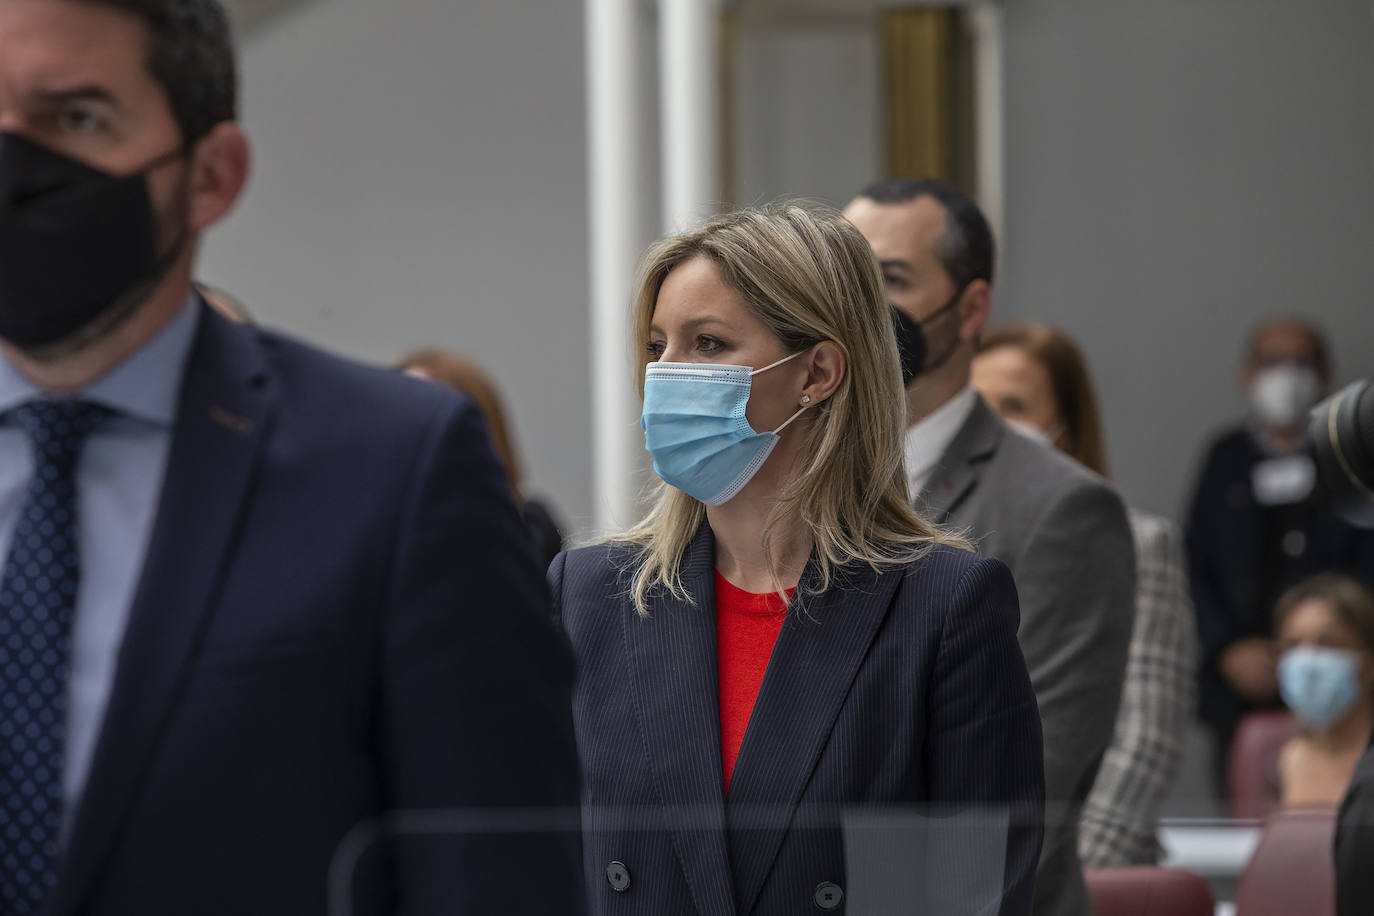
[
  {"x": 616, "y": 180},
  {"x": 989, "y": 113},
  {"x": 689, "y": 95}
]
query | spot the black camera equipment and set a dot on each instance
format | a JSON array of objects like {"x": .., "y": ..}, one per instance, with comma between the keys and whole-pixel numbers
[{"x": 1342, "y": 432}]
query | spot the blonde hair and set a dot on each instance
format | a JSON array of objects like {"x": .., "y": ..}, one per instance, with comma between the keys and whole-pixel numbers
[{"x": 810, "y": 276}]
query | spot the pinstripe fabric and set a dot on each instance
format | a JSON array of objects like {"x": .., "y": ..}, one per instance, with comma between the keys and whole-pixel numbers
[
  {"x": 1122, "y": 812},
  {"x": 906, "y": 688}
]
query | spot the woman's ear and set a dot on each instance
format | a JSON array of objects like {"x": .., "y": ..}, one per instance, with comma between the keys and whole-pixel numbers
[{"x": 826, "y": 367}]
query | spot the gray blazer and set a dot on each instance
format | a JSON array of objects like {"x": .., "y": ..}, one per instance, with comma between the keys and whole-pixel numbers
[{"x": 1064, "y": 532}]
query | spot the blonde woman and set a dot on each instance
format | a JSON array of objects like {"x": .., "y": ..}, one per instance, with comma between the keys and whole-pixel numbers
[{"x": 783, "y": 640}]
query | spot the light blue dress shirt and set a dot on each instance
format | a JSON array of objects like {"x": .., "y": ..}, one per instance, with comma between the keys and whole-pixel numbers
[{"x": 118, "y": 483}]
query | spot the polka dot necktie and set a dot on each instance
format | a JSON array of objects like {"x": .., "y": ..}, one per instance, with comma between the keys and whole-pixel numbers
[{"x": 37, "y": 598}]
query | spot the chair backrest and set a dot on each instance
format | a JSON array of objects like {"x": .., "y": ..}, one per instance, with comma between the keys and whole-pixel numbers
[
  {"x": 1252, "y": 770},
  {"x": 1148, "y": 891},
  {"x": 1292, "y": 872}
]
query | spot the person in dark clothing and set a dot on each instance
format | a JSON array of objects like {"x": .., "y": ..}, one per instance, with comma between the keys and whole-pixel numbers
[
  {"x": 1259, "y": 524},
  {"x": 1354, "y": 846},
  {"x": 466, "y": 376}
]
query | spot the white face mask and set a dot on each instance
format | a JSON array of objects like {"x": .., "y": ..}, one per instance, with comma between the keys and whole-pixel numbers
[
  {"x": 1282, "y": 395},
  {"x": 1047, "y": 438}
]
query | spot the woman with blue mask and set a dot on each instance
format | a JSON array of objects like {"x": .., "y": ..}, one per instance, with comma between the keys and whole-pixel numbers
[
  {"x": 784, "y": 672},
  {"x": 1325, "y": 630}
]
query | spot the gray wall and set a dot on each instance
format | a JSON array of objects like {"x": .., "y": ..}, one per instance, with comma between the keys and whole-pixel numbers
[
  {"x": 807, "y": 111},
  {"x": 1175, "y": 171},
  {"x": 420, "y": 180}
]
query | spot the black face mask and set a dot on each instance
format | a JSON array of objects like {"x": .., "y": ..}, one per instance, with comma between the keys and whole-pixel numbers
[
  {"x": 73, "y": 241},
  {"x": 912, "y": 344}
]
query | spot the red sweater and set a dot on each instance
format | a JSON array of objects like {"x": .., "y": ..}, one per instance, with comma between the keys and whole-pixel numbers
[{"x": 747, "y": 626}]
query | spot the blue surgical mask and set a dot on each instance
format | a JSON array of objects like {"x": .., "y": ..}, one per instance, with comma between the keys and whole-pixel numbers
[
  {"x": 695, "y": 428},
  {"x": 1319, "y": 685}
]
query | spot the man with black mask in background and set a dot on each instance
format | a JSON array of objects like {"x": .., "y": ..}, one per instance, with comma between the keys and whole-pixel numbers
[
  {"x": 252, "y": 595},
  {"x": 1060, "y": 528}
]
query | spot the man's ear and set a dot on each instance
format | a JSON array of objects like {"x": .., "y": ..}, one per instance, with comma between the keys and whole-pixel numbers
[
  {"x": 975, "y": 307},
  {"x": 825, "y": 370},
  {"x": 219, "y": 171}
]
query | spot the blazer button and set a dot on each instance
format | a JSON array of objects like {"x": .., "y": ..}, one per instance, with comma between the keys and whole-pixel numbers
[
  {"x": 618, "y": 876},
  {"x": 828, "y": 896}
]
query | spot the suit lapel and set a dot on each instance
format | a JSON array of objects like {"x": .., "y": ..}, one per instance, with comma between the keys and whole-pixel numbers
[
  {"x": 222, "y": 421},
  {"x": 818, "y": 653},
  {"x": 672, "y": 657},
  {"x": 957, "y": 473}
]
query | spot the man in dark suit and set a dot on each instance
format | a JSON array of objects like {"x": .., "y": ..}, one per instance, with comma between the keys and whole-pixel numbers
[
  {"x": 255, "y": 599},
  {"x": 1061, "y": 529}
]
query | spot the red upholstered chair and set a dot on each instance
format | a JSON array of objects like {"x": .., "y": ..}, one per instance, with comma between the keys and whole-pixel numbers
[
  {"x": 1252, "y": 770},
  {"x": 1292, "y": 872},
  {"x": 1148, "y": 891}
]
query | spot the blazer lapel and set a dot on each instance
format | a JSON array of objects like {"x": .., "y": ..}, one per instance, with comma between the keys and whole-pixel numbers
[
  {"x": 672, "y": 657},
  {"x": 222, "y": 421},
  {"x": 819, "y": 651},
  {"x": 957, "y": 473}
]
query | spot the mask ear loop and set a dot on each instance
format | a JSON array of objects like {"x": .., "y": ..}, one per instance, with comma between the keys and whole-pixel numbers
[
  {"x": 791, "y": 418},
  {"x": 774, "y": 365},
  {"x": 755, "y": 372},
  {"x": 166, "y": 260}
]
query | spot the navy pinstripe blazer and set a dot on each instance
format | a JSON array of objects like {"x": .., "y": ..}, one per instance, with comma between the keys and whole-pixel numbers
[{"x": 905, "y": 688}]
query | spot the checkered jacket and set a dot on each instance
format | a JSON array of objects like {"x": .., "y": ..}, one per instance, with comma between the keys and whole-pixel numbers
[{"x": 1122, "y": 811}]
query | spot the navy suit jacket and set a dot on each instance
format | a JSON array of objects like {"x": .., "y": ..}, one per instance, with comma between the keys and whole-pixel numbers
[
  {"x": 902, "y": 692},
  {"x": 339, "y": 616}
]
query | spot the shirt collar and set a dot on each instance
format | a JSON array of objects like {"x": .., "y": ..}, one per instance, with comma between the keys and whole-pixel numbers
[
  {"x": 145, "y": 386},
  {"x": 927, "y": 440}
]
